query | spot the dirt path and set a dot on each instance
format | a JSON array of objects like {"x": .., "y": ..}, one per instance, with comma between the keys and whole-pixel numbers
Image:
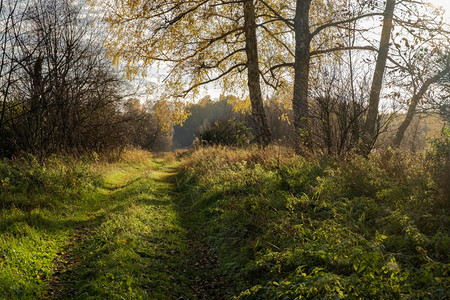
[
  {"x": 137, "y": 242},
  {"x": 204, "y": 274},
  {"x": 207, "y": 282}
]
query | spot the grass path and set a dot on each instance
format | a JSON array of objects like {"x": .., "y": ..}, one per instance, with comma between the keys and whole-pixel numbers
[
  {"x": 132, "y": 245},
  {"x": 127, "y": 240}
]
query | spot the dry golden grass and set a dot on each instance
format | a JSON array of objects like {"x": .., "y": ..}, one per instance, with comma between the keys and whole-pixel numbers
[
  {"x": 134, "y": 155},
  {"x": 226, "y": 156}
]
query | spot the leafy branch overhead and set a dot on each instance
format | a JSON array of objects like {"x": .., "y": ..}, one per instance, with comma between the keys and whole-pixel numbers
[{"x": 199, "y": 43}]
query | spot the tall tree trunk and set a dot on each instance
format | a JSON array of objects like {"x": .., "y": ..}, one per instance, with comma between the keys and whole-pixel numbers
[
  {"x": 301, "y": 66},
  {"x": 369, "y": 130},
  {"x": 263, "y": 133},
  {"x": 414, "y": 102}
]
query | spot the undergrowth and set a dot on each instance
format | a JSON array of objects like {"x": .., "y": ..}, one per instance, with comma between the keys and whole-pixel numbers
[
  {"x": 286, "y": 226},
  {"x": 283, "y": 226}
]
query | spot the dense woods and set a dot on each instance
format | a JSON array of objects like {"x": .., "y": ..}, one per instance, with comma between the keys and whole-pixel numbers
[{"x": 216, "y": 149}]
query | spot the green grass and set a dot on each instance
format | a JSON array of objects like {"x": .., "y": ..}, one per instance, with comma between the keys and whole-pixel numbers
[
  {"x": 286, "y": 227},
  {"x": 282, "y": 227},
  {"x": 114, "y": 236}
]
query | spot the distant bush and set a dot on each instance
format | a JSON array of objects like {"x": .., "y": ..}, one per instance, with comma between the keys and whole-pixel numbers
[
  {"x": 226, "y": 133},
  {"x": 290, "y": 227}
]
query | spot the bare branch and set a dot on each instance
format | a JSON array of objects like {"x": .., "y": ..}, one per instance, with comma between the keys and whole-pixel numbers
[
  {"x": 184, "y": 93},
  {"x": 283, "y": 19},
  {"x": 320, "y": 52},
  {"x": 333, "y": 24}
]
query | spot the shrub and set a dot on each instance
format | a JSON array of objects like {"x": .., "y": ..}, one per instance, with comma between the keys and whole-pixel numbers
[{"x": 226, "y": 133}]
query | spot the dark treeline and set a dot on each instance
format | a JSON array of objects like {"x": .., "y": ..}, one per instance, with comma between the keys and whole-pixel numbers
[{"x": 59, "y": 90}]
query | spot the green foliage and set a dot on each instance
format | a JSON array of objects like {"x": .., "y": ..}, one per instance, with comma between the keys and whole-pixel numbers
[
  {"x": 35, "y": 201},
  {"x": 318, "y": 228},
  {"x": 439, "y": 160},
  {"x": 226, "y": 133},
  {"x": 67, "y": 232},
  {"x": 283, "y": 226},
  {"x": 27, "y": 184}
]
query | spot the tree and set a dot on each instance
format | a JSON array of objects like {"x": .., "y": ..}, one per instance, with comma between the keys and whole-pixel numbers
[
  {"x": 419, "y": 61},
  {"x": 412, "y": 65},
  {"x": 11, "y": 20},
  {"x": 263, "y": 134},
  {"x": 418, "y": 94},
  {"x": 160, "y": 132},
  {"x": 6, "y": 68},
  {"x": 199, "y": 42},
  {"x": 64, "y": 94},
  {"x": 223, "y": 45},
  {"x": 303, "y": 39},
  {"x": 198, "y": 53},
  {"x": 311, "y": 41},
  {"x": 369, "y": 133}
]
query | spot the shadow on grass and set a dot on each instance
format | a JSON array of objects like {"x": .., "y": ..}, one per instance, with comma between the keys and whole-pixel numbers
[
  {"x": 208, "y": 281},
  {"x": 134, "y": 248},
  {"x": 37, "y": 222},
  {"x": 113, "y": 188}
]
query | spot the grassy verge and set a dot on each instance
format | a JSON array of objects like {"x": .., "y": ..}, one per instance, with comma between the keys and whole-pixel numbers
[
  {"x": 68, "y": 232},
  {"x": 286, "y": 226},
  {"x": 40, "y": 207}
]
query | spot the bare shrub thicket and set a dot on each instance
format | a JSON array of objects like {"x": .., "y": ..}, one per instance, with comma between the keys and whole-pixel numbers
[{"x": 59, "y": 90}]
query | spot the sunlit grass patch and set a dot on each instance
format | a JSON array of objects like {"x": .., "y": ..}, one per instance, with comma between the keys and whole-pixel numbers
[
  {"x": 134, "y": 252},
  {"x": 116, "y": 238},
  {"x": 39, "y": 210}
]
